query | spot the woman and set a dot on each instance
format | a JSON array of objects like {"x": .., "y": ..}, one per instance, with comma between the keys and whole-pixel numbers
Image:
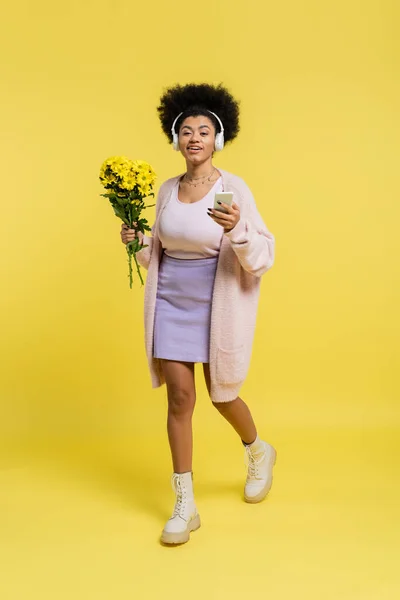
[{"x": 202, "y": 287}]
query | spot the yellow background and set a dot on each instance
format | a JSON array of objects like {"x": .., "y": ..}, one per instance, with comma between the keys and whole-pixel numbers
[{"x": 85, "y": 464}]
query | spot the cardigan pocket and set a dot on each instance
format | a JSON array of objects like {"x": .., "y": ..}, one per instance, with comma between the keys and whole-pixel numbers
[{"x": 230, "y": 365}]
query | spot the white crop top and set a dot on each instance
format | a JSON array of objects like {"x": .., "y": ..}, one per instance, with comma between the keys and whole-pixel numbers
[{"x": 186, "y": 230}]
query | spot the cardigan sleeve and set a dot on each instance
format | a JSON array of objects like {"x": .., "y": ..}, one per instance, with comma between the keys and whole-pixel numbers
[{"x": 251, "y": 240}]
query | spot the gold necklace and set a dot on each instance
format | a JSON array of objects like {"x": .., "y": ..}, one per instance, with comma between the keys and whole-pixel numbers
[{"x": 205, "y": 177}]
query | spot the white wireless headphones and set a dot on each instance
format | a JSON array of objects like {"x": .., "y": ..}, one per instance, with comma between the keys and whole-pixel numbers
[{"x": 219, "y": 137}]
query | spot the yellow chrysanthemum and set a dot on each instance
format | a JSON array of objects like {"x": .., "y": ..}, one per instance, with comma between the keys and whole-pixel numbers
[
  {"x": 115, "y": 168},
  {"x": 119, "y": 172},
  {"x": 144, "y": 171},
  {"x": 145, "y": 190}
]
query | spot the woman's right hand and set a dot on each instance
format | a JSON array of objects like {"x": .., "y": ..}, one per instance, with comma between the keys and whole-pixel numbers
[{"x": 128, "y": 235}]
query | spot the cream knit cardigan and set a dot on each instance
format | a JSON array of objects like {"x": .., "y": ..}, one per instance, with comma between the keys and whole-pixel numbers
[{"x": 246, "y": 253}]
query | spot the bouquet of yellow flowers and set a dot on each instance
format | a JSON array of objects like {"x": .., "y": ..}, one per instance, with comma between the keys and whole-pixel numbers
[{"x": 128, "y": 183}]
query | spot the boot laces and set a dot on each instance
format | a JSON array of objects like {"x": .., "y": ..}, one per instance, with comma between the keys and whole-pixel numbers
[
  {"x": 180, "y": 491},
  {"x": 252, "y": 463}
]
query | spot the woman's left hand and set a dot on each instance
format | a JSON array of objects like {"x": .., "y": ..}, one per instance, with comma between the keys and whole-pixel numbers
[{"x": 226, "y": 220}]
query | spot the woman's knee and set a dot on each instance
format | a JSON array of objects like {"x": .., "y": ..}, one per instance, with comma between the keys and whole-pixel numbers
[
  {"x": 181, "y": 388},
  {"x": 181, "y": 400}
]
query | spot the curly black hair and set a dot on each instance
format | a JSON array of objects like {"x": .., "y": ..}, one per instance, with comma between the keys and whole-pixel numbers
[{"x": 197, "y": 99}]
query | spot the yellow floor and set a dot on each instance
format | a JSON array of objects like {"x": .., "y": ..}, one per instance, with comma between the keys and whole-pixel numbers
[{"x": 81, "y": 518}]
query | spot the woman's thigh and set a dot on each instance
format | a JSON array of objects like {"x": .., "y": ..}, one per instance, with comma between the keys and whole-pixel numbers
[{"x": 180, "y": 382}]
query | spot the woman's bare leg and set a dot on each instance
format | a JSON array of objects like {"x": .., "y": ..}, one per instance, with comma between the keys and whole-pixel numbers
[
  {"x": 236, "y": 412},
  {"x": 179, "y": 378}
]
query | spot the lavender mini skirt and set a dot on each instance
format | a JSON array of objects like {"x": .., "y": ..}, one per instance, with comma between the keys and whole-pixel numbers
[{"x": 183, "y": 309}]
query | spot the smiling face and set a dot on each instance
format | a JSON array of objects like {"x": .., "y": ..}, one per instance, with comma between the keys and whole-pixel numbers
[{"x": 197, "y": 139}]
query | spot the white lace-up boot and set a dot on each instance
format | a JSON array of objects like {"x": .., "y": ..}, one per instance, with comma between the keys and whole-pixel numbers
[
  {"x": 260, "y": 458},
  {"x": 185, "y": 517}
]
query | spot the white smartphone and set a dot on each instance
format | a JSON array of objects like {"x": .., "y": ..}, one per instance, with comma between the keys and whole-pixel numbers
[{"x": 226, "y": 197}]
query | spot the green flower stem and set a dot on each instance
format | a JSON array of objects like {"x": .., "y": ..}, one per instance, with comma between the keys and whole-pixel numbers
[
  {"x": 130, "y": 266},
  {"x": 138, "y": 268},
  {"x": 132, "y": 252},
  {"x": 130, "y": 216}
]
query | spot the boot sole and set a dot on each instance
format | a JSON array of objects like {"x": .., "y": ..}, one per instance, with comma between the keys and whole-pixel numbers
[
  {"x": 183, "y": 536},
  {"x": 261, "y": 495}
]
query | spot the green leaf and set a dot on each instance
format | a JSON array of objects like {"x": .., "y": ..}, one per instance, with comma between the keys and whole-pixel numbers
[
  {"x": 122, "y": 201},
  {"x": 121, "y": 214}
]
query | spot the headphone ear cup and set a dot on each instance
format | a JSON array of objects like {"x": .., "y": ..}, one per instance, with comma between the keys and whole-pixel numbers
[
  {"x": 219, "y": 141},
  {"x": 175, "y": 141}
]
